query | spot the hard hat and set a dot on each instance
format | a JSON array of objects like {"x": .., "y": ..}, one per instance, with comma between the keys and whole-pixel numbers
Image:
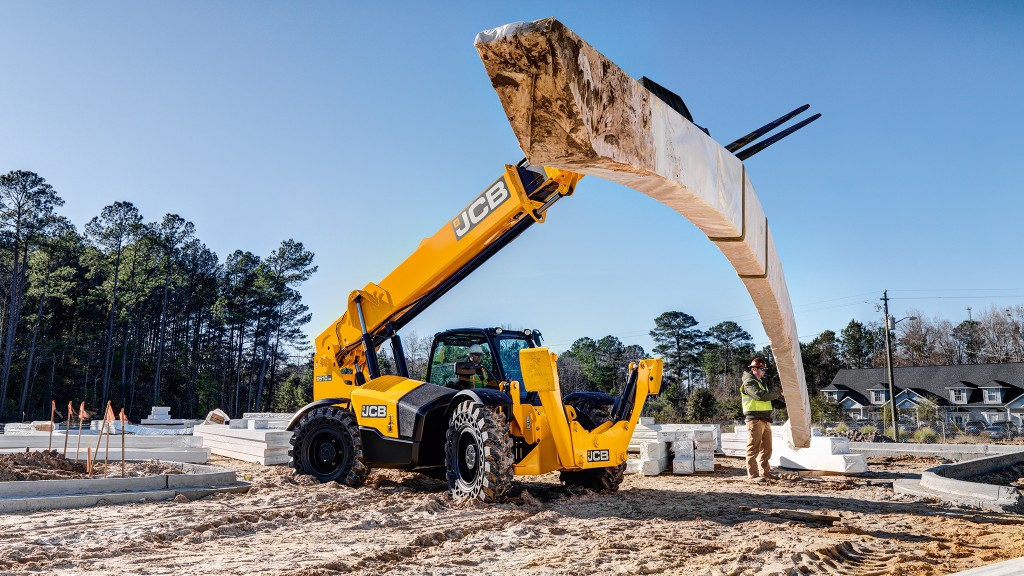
[
  {"x": 757, "y": 363},
  {"x": 476, "y": 349}
]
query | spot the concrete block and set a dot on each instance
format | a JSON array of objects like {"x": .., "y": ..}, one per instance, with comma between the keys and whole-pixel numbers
[
  {"x": 705, "y": 445},
  {"x": 653, "y": 450},
  {"x": 653, "y": 467},
  {"x": 632, "y": 466},
  {"x": 646, "y": 421},
  {"x": 704, "y": 435},
  {"x": 830, "y": 445},
  {"x": 683, "y": 449},
  {"x": 682, "y": 467},
  {"x": 704, "y": 464}
]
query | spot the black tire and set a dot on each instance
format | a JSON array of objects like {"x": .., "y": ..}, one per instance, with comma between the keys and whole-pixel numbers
[
  {"x": 478, "y": 453},
  {"x": 600, "y": 479},
  {"x": 327, "y": 446}
]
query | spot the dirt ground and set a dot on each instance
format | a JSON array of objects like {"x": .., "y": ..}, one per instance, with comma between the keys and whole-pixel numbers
[{"x": 404, "y": 523}]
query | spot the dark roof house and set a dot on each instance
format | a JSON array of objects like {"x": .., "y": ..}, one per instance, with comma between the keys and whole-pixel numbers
[{"x": 989, "y": 392}]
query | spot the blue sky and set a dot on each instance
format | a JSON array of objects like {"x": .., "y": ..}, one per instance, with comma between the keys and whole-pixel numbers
[{"x": 359, "y": 129}]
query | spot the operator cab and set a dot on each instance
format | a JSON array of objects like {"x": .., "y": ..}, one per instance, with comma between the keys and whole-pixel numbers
[{"x": 448, "y": 364}]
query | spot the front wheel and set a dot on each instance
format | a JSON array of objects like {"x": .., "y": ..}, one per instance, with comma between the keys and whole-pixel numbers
[
  {"x": 478, "y": 453},
  {"x": 326, "y": 445}
]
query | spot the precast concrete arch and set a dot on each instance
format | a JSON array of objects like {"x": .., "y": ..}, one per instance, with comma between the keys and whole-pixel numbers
[{"x": 573, "y": 108}]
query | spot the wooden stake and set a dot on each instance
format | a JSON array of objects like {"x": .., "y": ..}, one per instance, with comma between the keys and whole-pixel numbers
[
  {"x": 66, "y": 430},
  {"x": 106, "y": 455},
  {"x": 88, "y": 463},
  {"x": 122, "y": 442},
  {"x": 78, "y": 450},
  {"x": 99, "y": 438},
  {"x": 53, "y": 409}
]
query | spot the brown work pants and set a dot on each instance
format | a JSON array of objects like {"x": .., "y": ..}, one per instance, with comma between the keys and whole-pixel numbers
[{"x": 759, "y": 447}]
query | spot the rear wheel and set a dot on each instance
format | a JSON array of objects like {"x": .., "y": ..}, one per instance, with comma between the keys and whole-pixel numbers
[
  {"x": 478, "y": 453},
  {"x": 605, "y": 479},
  {"x": 326, "y": 445}
]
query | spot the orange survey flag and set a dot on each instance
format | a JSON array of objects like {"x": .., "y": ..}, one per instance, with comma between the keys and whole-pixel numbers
[
  {"x": 82, "y": 414},
  {"x": 109, "y": 416}
]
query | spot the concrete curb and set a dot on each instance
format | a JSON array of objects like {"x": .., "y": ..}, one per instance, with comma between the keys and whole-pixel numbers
[
  {"x": 197, "y": 481},
  {"x": 946, "y": 482},
  {"x": 955, "y": 452}
]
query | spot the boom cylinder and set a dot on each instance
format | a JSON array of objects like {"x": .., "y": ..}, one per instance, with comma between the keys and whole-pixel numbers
[{"x": 371, "y": 352}]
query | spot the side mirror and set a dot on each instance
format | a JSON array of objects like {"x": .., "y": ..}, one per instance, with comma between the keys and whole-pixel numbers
[{"x": 465, "y": 368}]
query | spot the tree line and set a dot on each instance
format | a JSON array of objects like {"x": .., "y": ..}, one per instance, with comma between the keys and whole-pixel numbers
[
  {"x": 141, "y": 313},
  {"x": 703, "y": 368}
]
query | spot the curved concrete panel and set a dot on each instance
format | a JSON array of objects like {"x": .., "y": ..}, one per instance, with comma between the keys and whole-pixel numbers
[{"x": 572, "y": 108}]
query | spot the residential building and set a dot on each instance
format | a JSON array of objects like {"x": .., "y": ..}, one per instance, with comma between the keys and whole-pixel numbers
[{"x": 987, "y": 392}]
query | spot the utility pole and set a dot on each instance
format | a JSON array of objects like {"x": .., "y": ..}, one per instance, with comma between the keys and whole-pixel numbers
[{"x": 888, "y": 362}]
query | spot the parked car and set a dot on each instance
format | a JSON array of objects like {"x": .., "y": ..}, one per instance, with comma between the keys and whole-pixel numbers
[
  {"x": 975, "y": 427},
  {"x": 1001, "y": 430}
]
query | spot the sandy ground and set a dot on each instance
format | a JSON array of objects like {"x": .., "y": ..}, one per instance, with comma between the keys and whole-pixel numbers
[{"x": 403, "y": 523}]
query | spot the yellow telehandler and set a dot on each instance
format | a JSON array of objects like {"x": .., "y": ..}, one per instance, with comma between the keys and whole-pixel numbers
[{"x": 489, "y": 407}]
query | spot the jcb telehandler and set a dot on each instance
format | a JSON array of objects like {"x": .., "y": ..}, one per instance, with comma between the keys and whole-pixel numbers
[{"x": 475, "y": 423}]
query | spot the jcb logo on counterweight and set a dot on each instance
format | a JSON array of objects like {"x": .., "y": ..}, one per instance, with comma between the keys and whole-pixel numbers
[
  {"x": 374, "y": 411},
  {"x": 598, "y": 456},
  {"x": 480, "y": 207}
]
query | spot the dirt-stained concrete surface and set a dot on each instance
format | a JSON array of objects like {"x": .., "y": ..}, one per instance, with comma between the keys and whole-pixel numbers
[
  {"x": 52, "y": 465},
  {"x": 403, "y": 523},
  {"x": 1013, "y": 476}
]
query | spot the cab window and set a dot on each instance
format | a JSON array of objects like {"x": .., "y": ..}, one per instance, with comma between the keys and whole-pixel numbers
[
  {"x": 452, "y": 349},
  {"x": 508, "y": 349}
]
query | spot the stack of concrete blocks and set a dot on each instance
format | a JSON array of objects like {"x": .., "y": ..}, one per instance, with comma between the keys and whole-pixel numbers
[
  {"x": 260, "y": 438},
  {"x": 682, "y": 452},
  {"x": 687, "y": 448},
  {"x": 704, "y": 444},
  {"x": 160, "y": 417}
]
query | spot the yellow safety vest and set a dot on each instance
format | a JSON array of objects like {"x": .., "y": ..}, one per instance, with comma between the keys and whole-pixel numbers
[{"x": 751, "y": 405}]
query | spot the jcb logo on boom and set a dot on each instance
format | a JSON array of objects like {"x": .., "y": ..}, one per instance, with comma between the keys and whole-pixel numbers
[
  {"x": 598, "y": 456},
  {"x": 374, "y": 411},
  {"x": 479, "y": 208}
]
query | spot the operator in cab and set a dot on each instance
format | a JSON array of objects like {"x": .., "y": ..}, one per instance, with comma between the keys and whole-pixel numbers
[{"x": 482, "y": 377}]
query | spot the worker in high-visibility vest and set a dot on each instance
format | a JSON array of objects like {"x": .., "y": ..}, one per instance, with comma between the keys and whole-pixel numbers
[
  {"x": 758, "y": 400},
  {"x": 482, "y": 377}
]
